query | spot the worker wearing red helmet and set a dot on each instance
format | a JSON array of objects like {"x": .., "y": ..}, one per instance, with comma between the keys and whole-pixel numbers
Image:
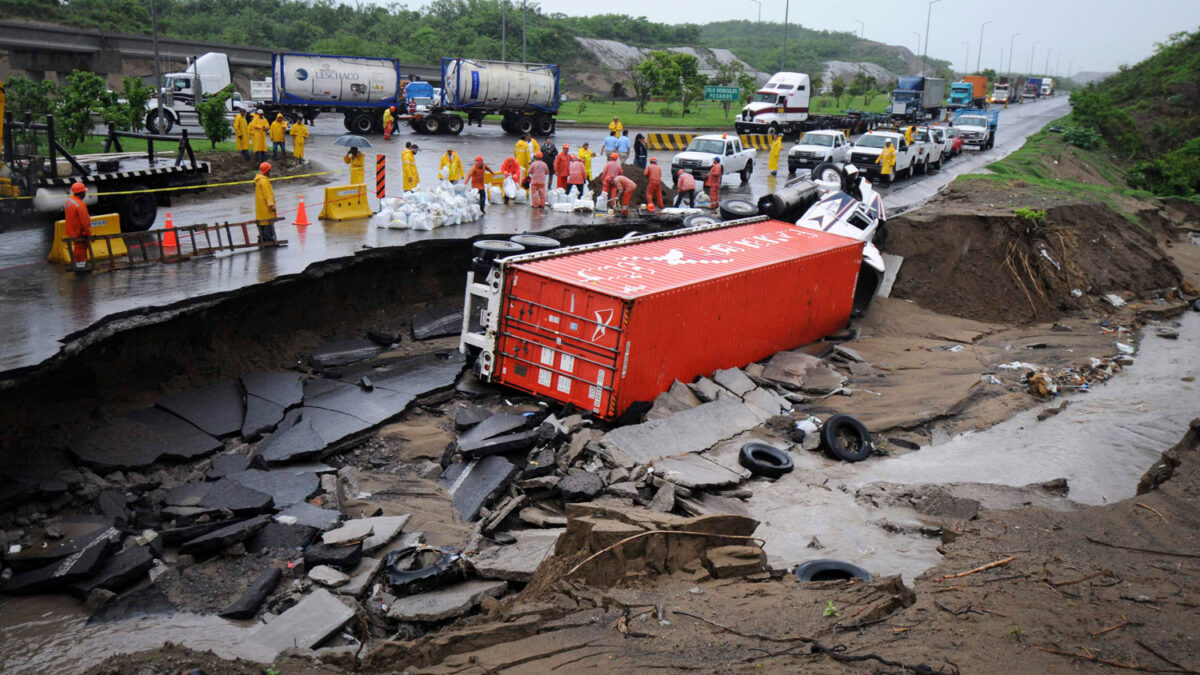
[
  {"x": 623, "y": 192},
  {"x": 79, "y": 224},
  {"x": 562, "y": 166},
  {"x": 389, "y": 117},
  {"x": 654, "y": 184},
  {"x": 477, "y": 179},
  {"x": 611, "y": 171},
  {"x": 713, "y": 182},
  {"x": 264, "y": 203}
]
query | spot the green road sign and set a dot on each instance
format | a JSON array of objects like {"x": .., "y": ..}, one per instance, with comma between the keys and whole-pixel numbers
[{"x": 721, "y": 93}]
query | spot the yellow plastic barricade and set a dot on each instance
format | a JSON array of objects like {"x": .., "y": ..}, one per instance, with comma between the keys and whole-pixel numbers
[
  {"x": 346, "y": 202},
  {"x": 110, "y": 223}
]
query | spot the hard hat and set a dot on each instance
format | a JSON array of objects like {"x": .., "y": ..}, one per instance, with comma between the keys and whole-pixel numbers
[
  {"x": 537, "y": 155},
  {"x": 78, "y": 188},
  {"x": 613, "y": 156},
  {"x": 479, "y": 159},
  {"x": 566, "y": 147},
  {"x": 392, "y": 108},
  {"x": 654, "y": 160},
  {"x": 264, "y": 167},
  {"x": 716, "y": 160}
]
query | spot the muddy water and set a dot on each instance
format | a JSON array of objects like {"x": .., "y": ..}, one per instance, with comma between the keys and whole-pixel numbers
[
  {"x": 48, "y": 634},
  {"x": 1102, "y": 444}
]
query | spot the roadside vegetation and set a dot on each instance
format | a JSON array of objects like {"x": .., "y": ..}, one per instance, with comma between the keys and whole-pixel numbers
[{"x": 660, "y": 114}]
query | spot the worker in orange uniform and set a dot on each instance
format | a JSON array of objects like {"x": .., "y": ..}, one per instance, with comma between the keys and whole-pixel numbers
[
  {"x": 611, "y": 171},
  {"x": 654, "y": 184},
  {"x": 278, "y": 132},
  {"x": 713, "y": 183},
  {"x": 389, "y": 116},
  {"x": 477, "y": 179},
  {"x": 258, "y": 135},
  {"x": 241, "y": 134},
  {"x": 562, "y": 166},
  {"x": 623, "y": 192},
  {"x": 299, "y": 134},
  {"x": 538, "y": 174},
  {"x": 408, "y": 167},
  {"x": 577, "y": 176},
  {"x": 685, "y": 188},
  {"x": 357, "y": 161},
  {"x": 510, "y": 168},
  {"x": 264, "y": 203},
  {"x": 79, "y": 224}
]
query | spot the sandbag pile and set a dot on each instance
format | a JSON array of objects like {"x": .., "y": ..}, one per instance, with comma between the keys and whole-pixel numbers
[{"x": 447, "y": 204}]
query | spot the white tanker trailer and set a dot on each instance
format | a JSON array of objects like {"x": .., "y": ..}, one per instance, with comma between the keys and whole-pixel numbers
[{"x": 524, "y": 94}]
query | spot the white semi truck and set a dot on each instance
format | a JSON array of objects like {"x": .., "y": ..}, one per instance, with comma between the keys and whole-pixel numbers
[
  {"x": 782, "y": 105},
  {"x": 179, "y": 92}
]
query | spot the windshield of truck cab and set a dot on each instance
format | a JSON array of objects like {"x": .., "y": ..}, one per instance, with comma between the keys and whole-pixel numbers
[
  {"x": 824, "y": 140},
  {"x": 905, "y": 96},
  {"x": 972, "y": 122},
  {"x": 869, "y": 141},
  {"x": 712, "y": 147}
]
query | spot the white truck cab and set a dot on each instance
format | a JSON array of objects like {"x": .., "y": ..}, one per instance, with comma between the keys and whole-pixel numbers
[
  {"x": 815, "y": 147},
  {"x": 780, "y": 105},
  {"x": 180, "y": 92},
  {"x": 697, "y": 159}
]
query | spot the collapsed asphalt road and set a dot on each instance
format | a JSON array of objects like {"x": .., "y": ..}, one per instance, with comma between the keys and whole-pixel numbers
[{"x": 43, "y": 304}]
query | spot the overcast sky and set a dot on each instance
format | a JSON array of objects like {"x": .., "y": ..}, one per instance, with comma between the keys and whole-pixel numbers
[{"x": 1099, "y": 34}]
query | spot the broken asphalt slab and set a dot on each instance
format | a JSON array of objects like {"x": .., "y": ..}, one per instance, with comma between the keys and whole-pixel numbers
[
  {"x": 216, "y": 409},
  {"x": 117, "y": 572},
  {"x": 343, "y": 352},
  {"x": 445, "y": 603},
  {"x": 311, "y": 621},
  {"x": 226, "y": 494},
  {"x": 246, "y": 606},
  {"x": 473, "y": 483},
  {"x": 79, "y": 532},
  {"x": 285, "y": 485},
  {"x": 302, "y": 513},
  {"x": 689, "y": 431},
  {"x": 77, "y": 566},
  {"x": 697, "y": 472},
  {"x": 281, "y": 388},
  {"x": 438, "y": 322},
  {"x": 516, "y": 562},
  {"x": 230, "y": 534},
  {"x": 140, "y": 438},
  {"x": 299, "y": 441}
]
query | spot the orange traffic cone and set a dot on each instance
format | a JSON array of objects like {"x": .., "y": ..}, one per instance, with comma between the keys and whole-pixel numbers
[
  {"x": 169, "y": 240},
  {"x": 301, "y": 214}
]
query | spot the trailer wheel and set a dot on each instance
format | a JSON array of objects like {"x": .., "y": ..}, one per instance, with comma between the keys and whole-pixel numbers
[
  {"x": 734, "y": 209},
  {"x": 346, "y": 123},
  {"x": 453, "y": 125},
  {"x": 544, "y": 124},
  {"x": 524, "y": 125},
  {"x": 138, "y": 211},
  {"x": 430, "y": 124},
  {"x": 506, "y": 123},
  {"x": 360, "y": 123},
  {"x": 152, "y": 122}
]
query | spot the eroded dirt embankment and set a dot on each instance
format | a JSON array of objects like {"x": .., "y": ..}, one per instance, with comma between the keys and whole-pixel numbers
[{"x": 131, "y": 360}]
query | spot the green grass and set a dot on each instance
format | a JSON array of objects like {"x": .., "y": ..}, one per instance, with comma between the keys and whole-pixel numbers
[
  {"x": 659, "y": 115},
  {"x": 95, "y": 144}
]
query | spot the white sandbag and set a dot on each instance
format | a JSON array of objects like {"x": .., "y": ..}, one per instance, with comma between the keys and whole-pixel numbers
[
  {"x": 510, "y": 188},
  {"x": 584, "y": 205},
  {"x": 563, "y": 208},
  {"x": 602, "y": 202},
  {"x": 521, "y": 198}
]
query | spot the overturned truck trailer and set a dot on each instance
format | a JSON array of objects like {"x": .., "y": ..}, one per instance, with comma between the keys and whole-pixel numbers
[{"x": 606, "y": 325}]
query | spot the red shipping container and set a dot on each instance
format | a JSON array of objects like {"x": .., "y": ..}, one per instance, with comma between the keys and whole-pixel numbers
[{"x": 608, "y": 327}]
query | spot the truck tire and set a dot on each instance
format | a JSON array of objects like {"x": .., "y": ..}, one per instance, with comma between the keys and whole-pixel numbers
[
  {"x": 506, "y": 123},
  {"x": 735, "y": 209},
  {"x": 152, "y": 122},
  {"x": 698, "y": 219},
  {"x": 346, "y": 123},
  {"x": 827, "y": 172},
  {"x": 847, "y": 439},
  {"x": 524, "y": 125},
  {"x": 765, "y": 460},
  {"x": 545, "y": 125},
  {"x": 745, "y": 172},
  {"x": 430, "y": 124},
  {"x": 360, "y": 123},
  {"x": 138, "y": 210},
  {"x": 453, "y": 124}
]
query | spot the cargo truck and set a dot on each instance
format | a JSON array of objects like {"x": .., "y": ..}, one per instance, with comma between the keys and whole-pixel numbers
[
  {"x": 1008, "y": 90},
  {"x": 180, "y": 92},
  {"x": 918, "y": 98},
  {"x": 969, "y": 92},
  {"x": 782, "y": 105},
  {"x": 525, "y": 95},
  {"x": 1032, "y": 90},
  {"x": 977, "y": 126},
  {"x": 604, "y": 326},
  {"x": 1047, "y": 86}
]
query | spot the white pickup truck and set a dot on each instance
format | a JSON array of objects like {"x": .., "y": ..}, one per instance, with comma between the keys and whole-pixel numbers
[
  {"x": 866, "y": 151},
  {"x": 815, "y": 147},
  {"x": 697, "y": 159},
  {"x": 935, "y": 152}
]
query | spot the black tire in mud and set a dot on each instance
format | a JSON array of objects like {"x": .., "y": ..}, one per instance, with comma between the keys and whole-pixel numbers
[
  {"x": 829, "y": 570},
  {"x": 847, "y": 439},
  {"x": 765, "y": 460}
]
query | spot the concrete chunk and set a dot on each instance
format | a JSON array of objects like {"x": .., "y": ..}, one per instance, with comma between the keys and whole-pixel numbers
[
  {"x": 706, "y": 390},
  {"x": 445, "y": 603},
  {"x": 362, "y": 577},
  {"x": 327, "y": 576},
  {"x": 247, "y": 605},
  {"x": 517, "y": 562},
  {"x": 472, "y": 484},
  {"x": 734, "y": 380},
  {"x": 304, "y": 626},
  {"x": 685, "y": 432},
  {"x": 787, "y": 368},
  {"x": 697, "y": 472},
  {"x": 216, "y": 409}
]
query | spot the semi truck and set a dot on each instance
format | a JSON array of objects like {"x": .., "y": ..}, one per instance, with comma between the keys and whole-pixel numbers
[
  {"x": 1008, "y": 90},
  {"x": 1047, "y": 86},
  {"x": 525, "y": 95},
  {"x": 969, "y": 92},
  {"x": 918, "y": 98},
  {"x": 1032, "y": 90},
  {"x": 782, "y": 105},
  {"x": 180, "y": 92}
]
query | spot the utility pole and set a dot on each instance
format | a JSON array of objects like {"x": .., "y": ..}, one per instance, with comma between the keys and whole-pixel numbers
[
  {"x": 1000, "y": 63},
  {"x": 1010, "y": 52},
  {"x": 158, "y": 92},
  {"x": 524, "y": 57},
  {"x": 1058, "y": 64},
  {"x": 787, "y": 8},
  {"x": 925, "y": 53},
  {"x": 918, "y": 42},
  {"x": 1046, "y": 69},
  {"x": 758, "y": 51},
  {"x": 966, "y": 57},
  {"x": 1031, "y": 53},
  {"x": 979, "y": 56}
]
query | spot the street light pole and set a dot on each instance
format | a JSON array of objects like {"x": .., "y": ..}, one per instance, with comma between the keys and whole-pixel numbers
[
  {"x": 787, "y": 8},
  {"x": 158, "y": 88},
  {"x": 1010, "y": 52},
  {"x": 918, "y": 42},
  {"x": 862, "y": 28},
  {"x": 966, "y": 57},
  {"x": 979, "y": 56},
  {"x": 1000, "y": 63},
  {"x": 524, "y": 57},
  {"x": 1046, "y": 69},
  {"x": 1058, "y": 64},
  {"x": 925, "y": 52},
  {"x": 1031, "y": 53},
  {"x": 758, "y": 52}
]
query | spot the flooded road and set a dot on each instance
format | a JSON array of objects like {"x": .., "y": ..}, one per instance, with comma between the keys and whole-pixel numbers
[{"x": 41, "y": 304}]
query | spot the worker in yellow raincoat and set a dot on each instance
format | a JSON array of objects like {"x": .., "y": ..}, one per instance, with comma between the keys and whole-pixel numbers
[
  {"x": 524, "y": 151},
  {"x": 299, "y": 134},
  {"x": 278, "y": 131},
  {"x": 408, "y": 164},
  {"x": 241, "y": 134},
  {"x": 388, "y": 119},
  {"x": 615, "y": 126},
  {"x": 356, "y": 160},
  {"x": 887, "y": 162},
  {"x": 908, "y": 133},
  {"x": 258, "y": 136},
  {"x": 264, "y": 203},
  {"x": 451, "y": 168},
  {"x": 586, "y": 154},
  {"x": 775, "y": 148}
]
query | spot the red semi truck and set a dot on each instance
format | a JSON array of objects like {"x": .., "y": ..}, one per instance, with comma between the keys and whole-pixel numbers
[{"x": 606, "y": 325}]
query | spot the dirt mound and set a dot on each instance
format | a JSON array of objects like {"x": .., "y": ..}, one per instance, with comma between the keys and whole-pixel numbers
[
  {"x": 1013, "y": 269},
  {"x": 637, "y": 175}
]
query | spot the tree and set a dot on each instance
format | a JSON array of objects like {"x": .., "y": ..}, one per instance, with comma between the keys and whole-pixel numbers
[
  {"x": 637, "y": 81},
  {"x": 212, "y": 116},
  {"x": 732, "y": 73},
  {"x": 26, "y": 96},
  {"x": 674, "y": 76},
  {"x": 137, "y": 96},
  {"x": 84, "y": 94},
  {"x": 616, "y": 91},
  {"x": 837, "y": 88}
]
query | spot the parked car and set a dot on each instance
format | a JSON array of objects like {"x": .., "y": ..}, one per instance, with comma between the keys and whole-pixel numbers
[
  {"x": 697, "y": 159},
  {"x": 815, "y": 147},
  {"x": 941, "y": 138},
  {"x": 956, "y": 141}
]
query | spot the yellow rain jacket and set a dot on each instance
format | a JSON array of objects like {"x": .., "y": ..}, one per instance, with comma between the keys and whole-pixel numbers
[
  {"x": 356, "y": 163},
  {"x": 240, "y": 131},
  {"x": 258, "y": 133},
  {"x": 408, "y": 164},
  {"x": 278, "y": 129},
  {"x": 455, "y": 171},
  {"x": 773, "y": 158},
  {"x": 264, "y": 199},
  {"x": 299, "y": 135},
  {"x": 586, "y": 155},
  {"x": 615, "y": 126},
  {"x": 887, "y": 160}
]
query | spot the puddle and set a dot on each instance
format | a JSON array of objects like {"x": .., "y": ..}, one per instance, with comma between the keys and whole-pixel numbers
[
  {"x": 1101, "y": 443},
  {"x": 48, "y": 634}
]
